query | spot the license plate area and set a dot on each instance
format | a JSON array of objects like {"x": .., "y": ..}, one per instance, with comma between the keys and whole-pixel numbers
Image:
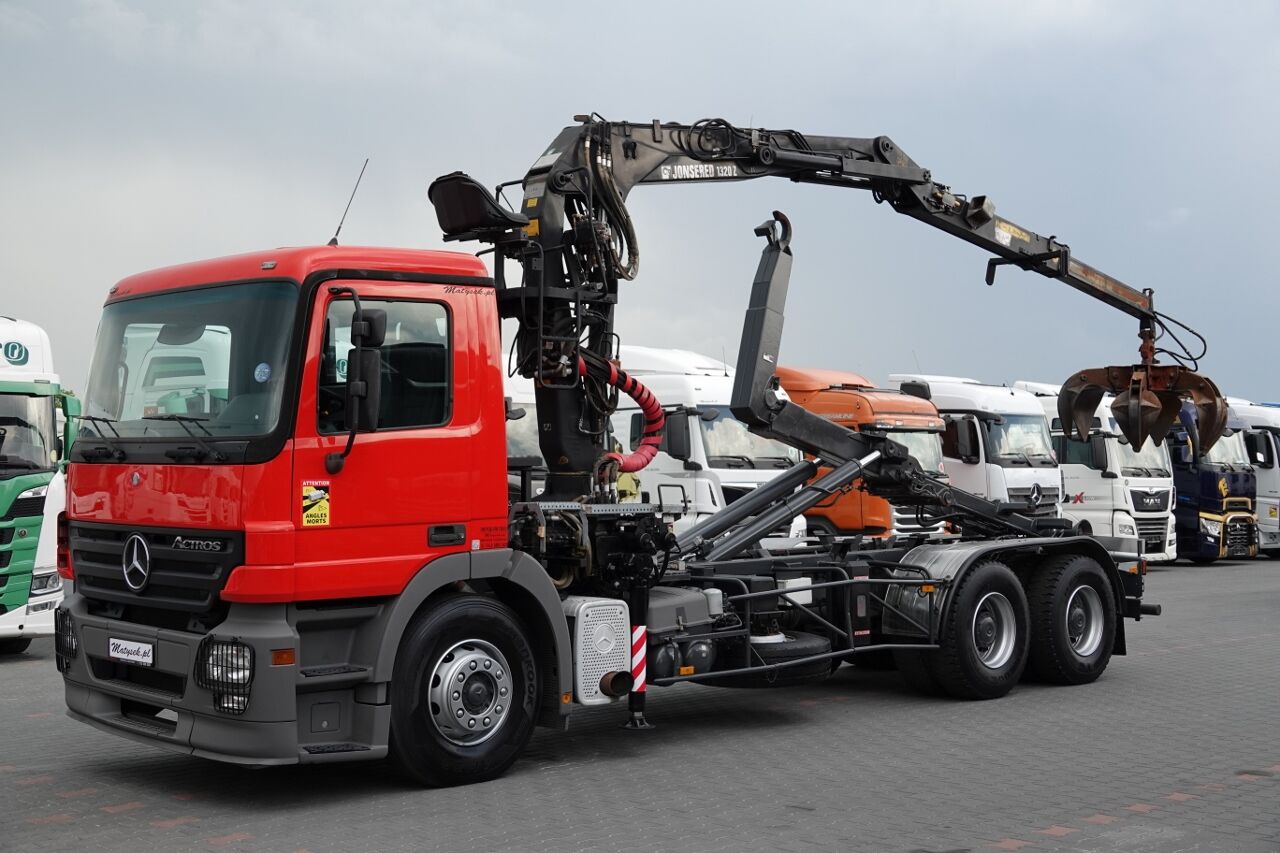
[{"x": 131, "y": 652}]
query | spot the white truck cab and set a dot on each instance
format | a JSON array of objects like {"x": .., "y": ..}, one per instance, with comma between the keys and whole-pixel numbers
[
  {"x": 997, "y": 443},
  {"x": 708, "y": 459},
  {"x": 1109, "y": 488},
  {"x": 1263, "y": 442}
]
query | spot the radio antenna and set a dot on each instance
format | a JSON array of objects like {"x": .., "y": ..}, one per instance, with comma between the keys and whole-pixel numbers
[{"x": 333, "y": 241}]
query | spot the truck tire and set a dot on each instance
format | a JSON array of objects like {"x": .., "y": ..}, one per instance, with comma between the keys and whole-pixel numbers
[
  {"x": 15, "y": 646},
  {"x": 797, "y": 645},
  {"x": 917, "y": 671},
  {"x": 983, "y": 650},
  {"x": 442, "y": 736},
  {"x": 1073, "y": 620}
]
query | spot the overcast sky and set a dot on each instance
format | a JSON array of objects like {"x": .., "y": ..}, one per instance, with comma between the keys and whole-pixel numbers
[{"x": 140, "y": 134}]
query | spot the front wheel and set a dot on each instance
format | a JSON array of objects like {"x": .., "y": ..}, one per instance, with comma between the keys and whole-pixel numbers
[
  {"x": 464, "y": 694},
  {"x": 984, "y": 635},
  {"x": 1073, "y": 614}
]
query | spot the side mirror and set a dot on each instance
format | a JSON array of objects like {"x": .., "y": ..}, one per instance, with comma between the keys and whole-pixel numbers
[
  {"x": 513, "y": 413},
  {"x": 71, "y": 412},
  {"x": 369, "y": 328},
  {"x": 917, "y": 389},
  {"x": 966, "y": 440},
  {"x": 675, "y": 437},
  {"x": 1098, "y": 452},
  {"x": 364, "y": 395}
]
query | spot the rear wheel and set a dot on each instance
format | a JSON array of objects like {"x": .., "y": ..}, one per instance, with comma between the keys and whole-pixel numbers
[
  {"x": 1073, "y": 617},
  {"x": 15, "y": 646},
  {"x": 984, "y": 635},
  {"x": 464, "y": 694}
]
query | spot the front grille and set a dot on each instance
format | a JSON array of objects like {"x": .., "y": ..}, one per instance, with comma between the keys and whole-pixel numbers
[
  {"x": 1152, "y": 532},
  {"x": 183, "y": 581},
  {"x": 5, "y": 557},
  {"x": 25, "y": 508},
  {"x": 1240, "y": 535},
  {"x": 6, "y": 535},
  {"x": 1047, "y": 507},
  {"x": 1150, "y": 501}
]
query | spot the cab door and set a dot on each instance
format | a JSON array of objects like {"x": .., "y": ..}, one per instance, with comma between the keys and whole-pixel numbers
[{"x": 408, "y": 491}]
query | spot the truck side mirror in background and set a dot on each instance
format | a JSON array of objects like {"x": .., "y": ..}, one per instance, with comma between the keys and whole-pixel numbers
[
  {"x": 1098, "y": 454},
  {"x": 71, "y": 411},
  {"x": 917, "y": 389},
  {"x": 675, "y": 437},
  {"x": 960, "y": 441}
]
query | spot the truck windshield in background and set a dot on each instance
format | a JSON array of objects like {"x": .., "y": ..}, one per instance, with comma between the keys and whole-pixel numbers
[
  {"x": 28, "y": 434},
  {"x": 1020, "y": 440},
  {"x": 1229, "y": 450},
  {"x": 729, "y": 444},
  {"x": 925, "y": 447},
  {"x": 216, "y": 356},
  {"x": 1151, "y": 461}
]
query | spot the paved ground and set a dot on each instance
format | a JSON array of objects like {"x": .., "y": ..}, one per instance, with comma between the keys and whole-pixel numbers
[{"x": 1174, "y": 749}]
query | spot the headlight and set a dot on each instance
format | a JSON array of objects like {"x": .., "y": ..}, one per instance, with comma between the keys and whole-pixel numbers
[
  {"x": 1126, "y": 529},
  {"x": 225, "y": 667},
  {"x": 45, "y": 583},
  {"x": 1210, "y": 527},
  {"x": 34, "y": 492}
]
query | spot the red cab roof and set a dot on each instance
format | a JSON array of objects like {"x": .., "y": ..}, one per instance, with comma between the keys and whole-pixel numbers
[{"x": 299, "y": 262}]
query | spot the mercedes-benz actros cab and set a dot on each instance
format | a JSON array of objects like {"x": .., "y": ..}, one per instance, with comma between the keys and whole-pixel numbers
[
  {"x": 32, "y": 484},
  {"x": 1110, "y": 489},
  {"x": 996, "y": 443}
]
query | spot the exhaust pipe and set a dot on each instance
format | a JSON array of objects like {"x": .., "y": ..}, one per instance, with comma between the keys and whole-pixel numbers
[{"x": 616, "y": 684}]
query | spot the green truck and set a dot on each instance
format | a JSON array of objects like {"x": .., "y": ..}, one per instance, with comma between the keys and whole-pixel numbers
[{"x": 36, "y": 429}]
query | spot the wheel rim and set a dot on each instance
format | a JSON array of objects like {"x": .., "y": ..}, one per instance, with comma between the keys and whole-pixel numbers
[
  {"x": 1084, "y": 618},
  {"x": 470, "y": 692},
  {"x": 995, "y": 633}
]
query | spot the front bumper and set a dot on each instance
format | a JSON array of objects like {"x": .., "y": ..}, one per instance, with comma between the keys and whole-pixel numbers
[
  {"x": 33, "y": 619},
  {"x": 162, "y": 705}
]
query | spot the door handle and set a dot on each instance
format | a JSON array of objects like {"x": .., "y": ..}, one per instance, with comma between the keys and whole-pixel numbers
[{"x": 446, "y": 534}]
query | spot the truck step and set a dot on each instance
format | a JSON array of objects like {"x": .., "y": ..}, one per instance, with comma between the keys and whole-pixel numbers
[
  {"x": 329, "y": 748},
  {"x": 333, "y": 669}
]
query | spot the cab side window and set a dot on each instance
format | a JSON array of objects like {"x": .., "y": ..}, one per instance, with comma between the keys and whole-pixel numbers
[
  {"x": 416, "y": 365},
  {"x": 1072, "y": 452}
]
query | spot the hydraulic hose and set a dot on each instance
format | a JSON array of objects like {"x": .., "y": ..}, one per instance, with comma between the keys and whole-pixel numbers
[{"x": 654, "y": 418}]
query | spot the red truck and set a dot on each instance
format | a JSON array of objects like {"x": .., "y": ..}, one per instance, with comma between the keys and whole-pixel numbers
[{"x": 291, "y": 537}]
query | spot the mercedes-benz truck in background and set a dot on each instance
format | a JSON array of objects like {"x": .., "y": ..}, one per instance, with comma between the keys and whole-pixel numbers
[
  {"x": 1215, "y": 490},
  {"x": 32, "y": 485},
  {"x": 708, "y": 459},
  {"x": 1262, "y": 441},
  {"x": 1110, "y": 489},
  {"x": 854, "y": 401},
  {"x": 996, "y": 443}
]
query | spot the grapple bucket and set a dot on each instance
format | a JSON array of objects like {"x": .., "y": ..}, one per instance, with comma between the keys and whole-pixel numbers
[{"x": 1148, "y": 399}]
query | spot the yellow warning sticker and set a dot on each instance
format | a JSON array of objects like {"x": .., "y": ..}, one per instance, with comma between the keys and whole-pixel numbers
[
  {"x": 1273, "y": 512},
  {"x": 315, "y": 503}
]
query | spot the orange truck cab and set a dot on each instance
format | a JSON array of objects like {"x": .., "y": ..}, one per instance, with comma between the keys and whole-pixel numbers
[{"x": 853, "y": 401}]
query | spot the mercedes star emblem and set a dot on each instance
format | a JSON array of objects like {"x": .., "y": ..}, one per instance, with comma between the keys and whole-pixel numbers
[
  {"x": 1036, "y": 495},
  {"x": 135, "y": 479},
  {"x": 136, "y": 562}
]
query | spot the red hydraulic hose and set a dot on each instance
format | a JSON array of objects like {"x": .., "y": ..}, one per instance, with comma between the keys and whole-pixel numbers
[{"x": 654, "y": 417}]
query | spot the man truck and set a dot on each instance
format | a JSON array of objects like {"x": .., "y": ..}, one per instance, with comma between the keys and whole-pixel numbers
[
  {"x": 1108, "y": 487},
  {"x": 853, "y": 401},
  {"x": 32, "y": 484},
  {"x": 307, "y": 569},
  {"x": 996, "y": 443}
]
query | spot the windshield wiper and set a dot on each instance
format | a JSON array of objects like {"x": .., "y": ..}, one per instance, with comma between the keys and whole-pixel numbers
[
  {"x": 1014, "y": 454},
  {"x": 737, "y": 457},
  {"x": 776, "y": 461},
  {"x": 110, "y": 451},
  {"x": 19, "y": 462},
  {"x": 205, "y": 448}
]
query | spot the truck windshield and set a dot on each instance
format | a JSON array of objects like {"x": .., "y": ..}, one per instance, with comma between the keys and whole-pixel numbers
[
  {"x": 925, "y": 447},
  {"x": 28, "y": 440},
  {"x": 1020, "y": 440},
  {"x": 730, "y": 445},
  {"x": 1151, "y": 461},
  {"x": 212, "y": 360},
  {"x": 1229, "y": 450}
]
